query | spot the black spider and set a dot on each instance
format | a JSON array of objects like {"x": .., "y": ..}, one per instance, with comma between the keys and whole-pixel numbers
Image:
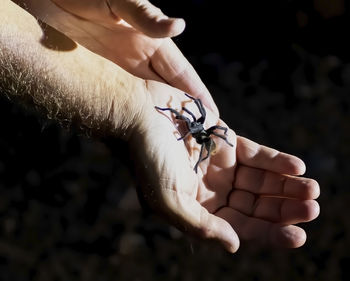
[{"x": 196, "y": 129}]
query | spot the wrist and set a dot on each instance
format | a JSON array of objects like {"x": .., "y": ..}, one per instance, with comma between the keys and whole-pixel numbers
[
  {"x": 70, "y": 85},
  {"x": 127, "y": 116}
]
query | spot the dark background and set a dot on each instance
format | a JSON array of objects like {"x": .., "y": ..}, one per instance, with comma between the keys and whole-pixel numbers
[{"x": 280, "y": 74}]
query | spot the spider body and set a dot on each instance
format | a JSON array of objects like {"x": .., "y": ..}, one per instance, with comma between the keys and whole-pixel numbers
[
  {"x": 202, "y": 136},
  {"x": 197, "y": 130}
]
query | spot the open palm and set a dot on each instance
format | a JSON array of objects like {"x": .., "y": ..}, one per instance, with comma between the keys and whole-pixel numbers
[{"x": 247, "y": 191}]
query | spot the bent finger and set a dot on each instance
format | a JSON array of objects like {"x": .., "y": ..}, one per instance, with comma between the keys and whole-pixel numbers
[
  {"x": 262, "y": 182},
  {"x": 190, "y": 216},
  {"x": 262, "y": 231},
  {"x": 95, "y": 10},
  {"x": 279, "y": 210},
  {"x": 175, "y": 69},
  {"x": 252, "y": 154},
  {"x": 147, "y": 18}
]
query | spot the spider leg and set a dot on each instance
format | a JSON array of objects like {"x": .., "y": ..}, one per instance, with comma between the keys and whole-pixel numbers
[
  {"x": 209, "y": 147},
  {"x": 200, "y": 106},
  {"x": 180, "y": 117},
  {"x": 211, "y": 129},
  {"x": 170, "y": 109},
  {"x": 177, "y": 114},
  {"x": 190, "y": 113},
  {"x": 199, "y": 159},
  {"x": 222, "y": 137},
  {"x": 187, "y": 95}
]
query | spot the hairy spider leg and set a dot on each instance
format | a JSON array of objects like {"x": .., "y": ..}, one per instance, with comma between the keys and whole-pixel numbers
[
  {"x": 199, "y": 159},
  {"x": 211, "y": 131},
  {"x": 178, "y": 116},
  {"x": 208, "y": 146},
  {"x": 200, "y": 106},
  {"x": 190, "y": 113},
  {"x": 212, "y": 128},
  {"x": 222, "y": 137}
]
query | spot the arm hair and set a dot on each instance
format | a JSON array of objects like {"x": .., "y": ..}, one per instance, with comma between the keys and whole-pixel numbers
[{"x": 73, "y": 86}]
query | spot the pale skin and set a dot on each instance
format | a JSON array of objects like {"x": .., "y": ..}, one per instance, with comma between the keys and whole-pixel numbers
[
  {"x": 94, "y": 25},
  {"x": 249, "y": 192}
]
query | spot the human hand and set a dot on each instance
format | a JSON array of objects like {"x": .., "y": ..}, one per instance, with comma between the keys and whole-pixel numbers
[
  {"x": 249, "y": 192},
  {"x": 140, "y": 14},
  {"x": 94, "y": 26}
]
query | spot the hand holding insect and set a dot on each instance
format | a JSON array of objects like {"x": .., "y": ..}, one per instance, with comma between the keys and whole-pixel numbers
[
  {"x": 245, "y": 191},
  {"x": 196, "y": 129}
]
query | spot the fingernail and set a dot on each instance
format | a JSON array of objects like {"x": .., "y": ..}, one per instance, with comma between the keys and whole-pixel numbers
[{"x": 177, "y": 25}]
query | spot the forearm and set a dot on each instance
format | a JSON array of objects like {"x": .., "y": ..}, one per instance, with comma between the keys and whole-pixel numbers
[{"x": 66, "y": 82}]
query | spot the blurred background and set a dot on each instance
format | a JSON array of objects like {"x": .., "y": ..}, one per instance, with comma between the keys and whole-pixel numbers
[{"x": 280, "y": 74}]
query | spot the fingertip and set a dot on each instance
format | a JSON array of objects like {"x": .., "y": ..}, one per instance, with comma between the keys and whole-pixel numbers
[
  {"x": 147, "y": 18},
  {"x": 313, "y": 210},
  {"x": 230, "y": 240},
  {"x": 313, "y": 189},
  {"x": 299, "y": 237},
  {"x": 232, "y": 247},
  {"x": 300, "y": 167},
  {"x": 177, "y": 27},
  {"x": 171, "y": 27},
  {"x": 218, "y": 229},
  {"x": 289, "y": 236},
  {"x": 295, "y": 166},
  {"x": 301, "y": 211}
]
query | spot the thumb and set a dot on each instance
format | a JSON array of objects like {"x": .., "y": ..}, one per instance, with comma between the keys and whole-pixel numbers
[
  {"x": 147, "y": 18},
  {"x": 191, "y": 217},
  {"x": 216, "y": 228}
]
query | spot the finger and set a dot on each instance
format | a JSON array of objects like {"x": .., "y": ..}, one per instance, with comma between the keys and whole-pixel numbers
[
  {"x": 147, "y": 18},
  {"x": 280, "y": 210},
  {"x": 263, "y": 182},
  {"x": 215, "y": 228},
  {"x": 252, "y": 154},
  {"x": 95, "y": 10},
  {"x": 265, "y": 232},
  {"x": 189, "y": 216},
  {"x": 169, "y": 63}
]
